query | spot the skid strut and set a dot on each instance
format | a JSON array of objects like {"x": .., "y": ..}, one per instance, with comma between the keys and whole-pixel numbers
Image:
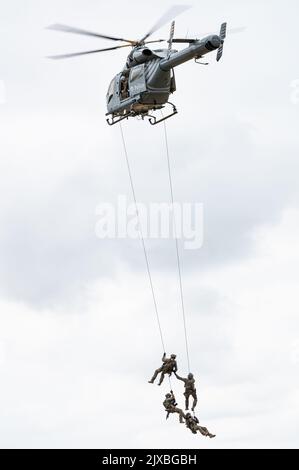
[
  {"x": 153, "y": 120},
  {"x": 114, "y": 120}
]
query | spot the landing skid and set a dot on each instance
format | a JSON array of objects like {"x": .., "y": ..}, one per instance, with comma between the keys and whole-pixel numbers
[
  {"x": 154, "y": 121},
  {"x": 114, "y": 120}
]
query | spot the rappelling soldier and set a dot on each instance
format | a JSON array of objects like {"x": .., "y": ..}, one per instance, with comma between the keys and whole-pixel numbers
[
  {"x": 170, "y": 406},
  {"x": 168, "y": 367},
  {"x": 190, "y": 390},
  {"x": 192, "y": 423}
]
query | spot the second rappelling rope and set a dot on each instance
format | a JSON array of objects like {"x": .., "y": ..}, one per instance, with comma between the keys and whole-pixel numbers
[
  {"x": 176, "y": 243},
  {"x": 177, "y": 246}
]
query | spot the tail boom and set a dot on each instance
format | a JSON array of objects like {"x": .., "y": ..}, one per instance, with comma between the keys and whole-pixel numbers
[{"x": 195, "y": 50}]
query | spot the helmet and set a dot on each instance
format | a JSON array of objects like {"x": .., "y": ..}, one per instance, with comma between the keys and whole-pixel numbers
[
  {"x": 190, "y": 376},
  {"x": 168, "y": 395},
  {"x": 188, "y": 415},
  {"x": 173, "y": 356}
]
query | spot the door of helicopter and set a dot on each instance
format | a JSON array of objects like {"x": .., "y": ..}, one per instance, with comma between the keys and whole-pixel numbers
[
  {"x": 124, "y": 91},
  {"x": 137, "y": 81}
]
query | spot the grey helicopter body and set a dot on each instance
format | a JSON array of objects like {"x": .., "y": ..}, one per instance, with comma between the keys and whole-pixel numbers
[{"x": 148, "y": 78}]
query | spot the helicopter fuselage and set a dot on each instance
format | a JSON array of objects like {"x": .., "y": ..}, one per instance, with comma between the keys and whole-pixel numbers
[
  {"x": 148, "y": 79},
  {"x": 141, "y": 86}
]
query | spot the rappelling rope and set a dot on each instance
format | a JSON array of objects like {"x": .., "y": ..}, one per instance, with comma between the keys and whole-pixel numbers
[
  {"x": 142, "y": 240},
  {"x": 177, "y": 247}
]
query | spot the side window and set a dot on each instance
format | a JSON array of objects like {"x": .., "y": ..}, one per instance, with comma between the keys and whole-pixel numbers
[{"x": 137, "y": 80}]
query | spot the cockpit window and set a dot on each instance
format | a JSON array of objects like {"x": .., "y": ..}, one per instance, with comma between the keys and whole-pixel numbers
[{"x": 111, "y": 89}]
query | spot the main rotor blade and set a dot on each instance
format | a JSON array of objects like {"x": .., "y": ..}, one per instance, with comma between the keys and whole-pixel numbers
[
  {"x": 69, "y": 29},
  {"x": 157, "y": 40},
  {"x": 170, "y": 14},
  {"x": 241, "y": 29},
  {"x": 76, "y": 54}
]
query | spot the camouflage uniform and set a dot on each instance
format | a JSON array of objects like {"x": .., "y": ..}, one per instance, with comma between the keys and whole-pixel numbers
[
  {"x": 168, "y": 367},
  {"x": 190, "y": 390},
  {"x": 170, "y": 406},
  {"x": 193, "y": 425}
]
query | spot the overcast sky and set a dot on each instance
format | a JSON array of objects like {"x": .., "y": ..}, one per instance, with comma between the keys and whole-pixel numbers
[{"x": 78, "y": 337}]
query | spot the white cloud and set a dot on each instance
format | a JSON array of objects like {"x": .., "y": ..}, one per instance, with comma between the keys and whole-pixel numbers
[{"x": 2, "y": 92}]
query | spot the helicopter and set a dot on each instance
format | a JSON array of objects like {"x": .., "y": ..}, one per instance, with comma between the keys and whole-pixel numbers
[{"x": 148, "y": 79}]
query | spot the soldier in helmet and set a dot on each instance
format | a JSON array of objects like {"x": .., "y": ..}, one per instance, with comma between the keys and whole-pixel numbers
[
  {"x": 190, "y": 390},
  {"x": 168, "y": 367},
  {"x": 170, "y": 406},
  {"x": 192, "y": 423}
]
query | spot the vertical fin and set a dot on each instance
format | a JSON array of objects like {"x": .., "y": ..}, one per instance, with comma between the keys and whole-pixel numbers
[
  {"x": 171, "y": 36},
  {"x": 222, "y": 36}
]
